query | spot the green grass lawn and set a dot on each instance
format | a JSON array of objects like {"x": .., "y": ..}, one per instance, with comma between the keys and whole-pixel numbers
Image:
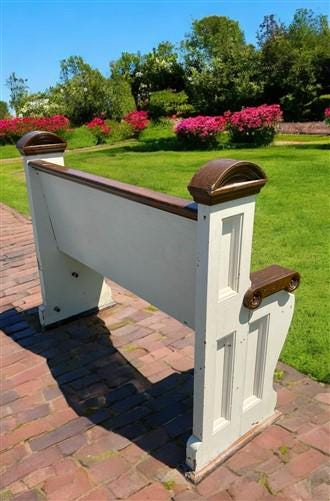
[
  {"x": 303, "y": 138},
  {"x": 290, "y": 226}
]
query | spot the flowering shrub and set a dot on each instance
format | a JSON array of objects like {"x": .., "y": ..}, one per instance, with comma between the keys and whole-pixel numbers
[
  {"x": 39, "y": 105},
  {"x": 200, "y": 131},
  {"x": 99, "y": 129},
  {"x": 327, "y": 116},
  {"x": 12, "y": 129},
  {"x": 254, "y": 125},
  {"x": 138, "y": 120}
]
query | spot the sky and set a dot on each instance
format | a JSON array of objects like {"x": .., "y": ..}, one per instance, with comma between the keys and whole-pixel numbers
[{"x": 37, "y": 34}]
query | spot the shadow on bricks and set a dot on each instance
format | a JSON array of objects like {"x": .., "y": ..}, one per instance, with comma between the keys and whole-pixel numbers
[{"x": 104, "y": 389}]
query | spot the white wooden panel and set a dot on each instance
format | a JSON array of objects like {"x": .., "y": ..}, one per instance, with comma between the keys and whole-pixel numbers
[
  {"x": 148, "y": 251},
  {"x": 63, "y": 295},
  {"x": 223, "y": 381},
  {"x": 224, "y": 238},
  {"x": 270, "y": 322},
  {"x": 262, "y": 327},
  {"x": 255, "y": 361},
  {"x": 229, "y": 255}
]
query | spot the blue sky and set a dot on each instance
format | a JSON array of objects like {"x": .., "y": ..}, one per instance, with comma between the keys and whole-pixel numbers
[{"x": 37, "y": 34}]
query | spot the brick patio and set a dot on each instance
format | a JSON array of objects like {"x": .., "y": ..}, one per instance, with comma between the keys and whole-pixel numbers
[{"x": 101, "y": 407}]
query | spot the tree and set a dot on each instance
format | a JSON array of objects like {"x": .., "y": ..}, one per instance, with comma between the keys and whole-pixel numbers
[
  {"x": 221, "y": 70},
  {"x": 84, "y": 91},
  {"x": 295, "y": 63},
  {"x": 213, "y": 36},
  {"x": 161, "y": 68},
  {"x": 4, "y": 111},
  {"x": 156, "y": 70},
  {"x": 18, "y": 91},
  {"x": 121, "y": 97},
  {"x": 129, "y": 67}
]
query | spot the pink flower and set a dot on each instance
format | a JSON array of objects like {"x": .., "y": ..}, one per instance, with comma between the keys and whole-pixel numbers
[
  {"x": 200, "y": 128},
  {"x": 16, "y": 127},
  {"x": 100, "y": 124},
  {"x": 137, "y": 119},
  {"x": 254, "y": 118}
]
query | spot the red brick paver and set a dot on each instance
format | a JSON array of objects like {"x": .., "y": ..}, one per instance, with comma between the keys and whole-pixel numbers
[{"x": 100, "y": 408}]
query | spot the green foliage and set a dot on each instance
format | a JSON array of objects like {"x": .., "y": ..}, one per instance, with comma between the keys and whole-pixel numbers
[
  {"x": 84, "y": 91},
  {"x": 41, "y": 104},
  {"x": 128, "y": 67},
  {"x": 161, "y": 68},
  {"x": 167, "y": 102},
  {"x": 121, "y": 97},
  {"x": 157, "y": 70},
  {"x": 159, "y": 135},
  {"x": 320, "y": 104},
  {"x": 295, "y": 63},
  {"x": 213, "y": 65},
  {"x": 6, "y": 495},
  {"x": 119, "y": 131},
  {"x": 283, "y": 453},
  {"x": 212, "y": 36},
  {"x": 169, "y": 484},
  {"x": 278, "y": 375},
  {"x": 4, "y": 112},
  {"x": 255, "y": 137},
  {"x": 80, "y": 137},
  {"x": 264, "y": 482},
  {"x": 18, "y": 91},
  {"x": 221, "y": 71}
]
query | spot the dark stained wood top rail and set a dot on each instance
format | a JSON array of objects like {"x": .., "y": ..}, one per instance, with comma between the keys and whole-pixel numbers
[
  {"x": 269, "y": 281},
  {"x": 168, "y": 203},
  {"x": 218, "y": 181}
]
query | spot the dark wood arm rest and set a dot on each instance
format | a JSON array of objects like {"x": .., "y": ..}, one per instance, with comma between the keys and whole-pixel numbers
[{"x": 268, "y": 281}]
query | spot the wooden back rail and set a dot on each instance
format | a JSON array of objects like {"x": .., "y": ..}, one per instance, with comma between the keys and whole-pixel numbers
[{"x": 191, "y": 259}]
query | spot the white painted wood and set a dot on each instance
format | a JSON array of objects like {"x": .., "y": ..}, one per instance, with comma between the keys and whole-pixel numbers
[
  {"x": 269, "y": 325},
  {"x": 236, "y": 349},
  {"x": 196, "y": 272},
  {"x": 146, "y": 250},
  {"x": 63, "y": 295},
  {"x": 224, "y": 236}
]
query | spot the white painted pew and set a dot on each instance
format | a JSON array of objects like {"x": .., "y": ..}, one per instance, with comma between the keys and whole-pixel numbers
[{"x": 192, "y": 260}]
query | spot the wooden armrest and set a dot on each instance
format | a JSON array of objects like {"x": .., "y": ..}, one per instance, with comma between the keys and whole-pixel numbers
[{"x": 269, "y": 281}]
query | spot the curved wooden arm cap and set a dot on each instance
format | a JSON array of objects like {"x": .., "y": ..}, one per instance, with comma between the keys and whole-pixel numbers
[
  {"x": 226, "y": 179},
  {"x": 269, "y": 281},
  {"x": 39, "y": 142}
]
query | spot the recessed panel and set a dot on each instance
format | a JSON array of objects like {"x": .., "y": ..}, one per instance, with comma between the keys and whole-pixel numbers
[
  {"x": 255, "y": 360},
  {"x": 223, "y": 380},
  {"x": 230, "y": 254}
]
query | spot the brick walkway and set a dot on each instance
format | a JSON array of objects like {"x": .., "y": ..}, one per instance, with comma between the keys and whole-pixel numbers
[{"x": 100, "y": 408}]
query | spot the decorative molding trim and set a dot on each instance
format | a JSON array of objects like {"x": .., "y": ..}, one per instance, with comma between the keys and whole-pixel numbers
[
  {"x": 269, "y": 281},
  {"x": 160, "y": 201},
  {"x": 225, "y": 179},
  {"x": 39, "y": 143}
]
